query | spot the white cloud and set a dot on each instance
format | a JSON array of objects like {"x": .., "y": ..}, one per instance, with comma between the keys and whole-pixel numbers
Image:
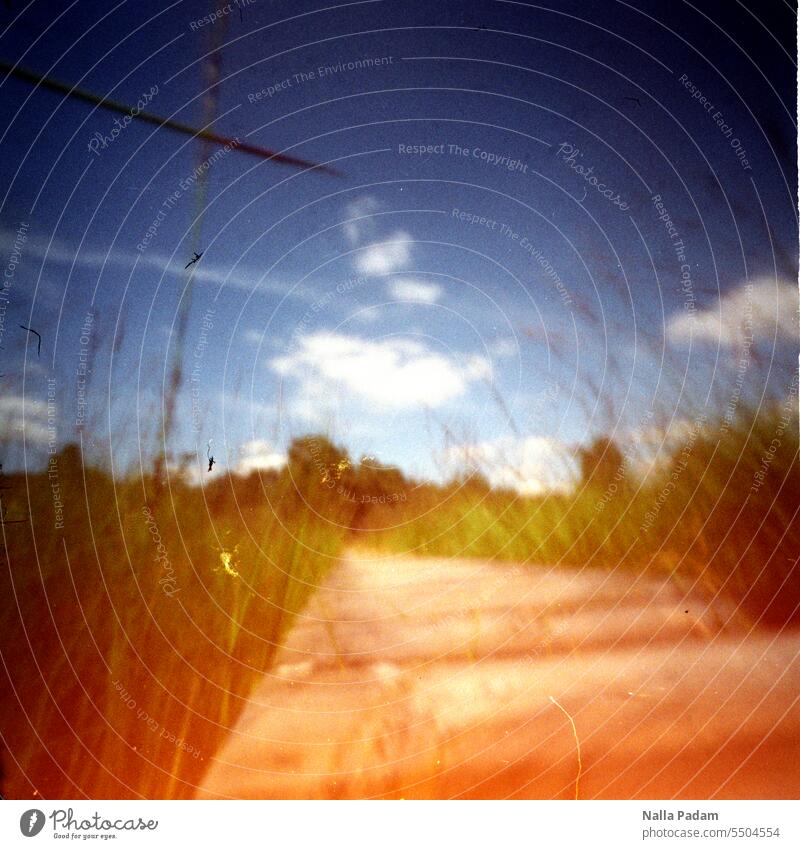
[
  {"x": 63, "y": 253},
  {"x": 531, "y": 465},
  {"x": 382, "y": 256},
  {"x": 368, "y": 315},
  {"x": 246, "y": 279},
  {"x": 764, "y": 308},
  {"x": 504, "y": 347},
  {"x": 18, "y": 404},
  {"x": 20, "y": 414},
  {"x": 258, "y": 454},
  {"x": 307, "y": 408},
  {"x": 418, "y": 291},
  {"x": 676, "y": 430},
  {"x": 359, "y": 212},
  {"x": 254, "y": 337},
  {"x": 477, "y": 367},
  {"x": 393, "y": 373},
  {"x": 311, "y": 405},
  {"x": 385, "y": 257},
  {"x": 193, "y": 473}
]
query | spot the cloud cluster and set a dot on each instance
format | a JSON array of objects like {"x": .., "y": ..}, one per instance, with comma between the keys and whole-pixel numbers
[
  {"x": 255, "y": 455},
  {"x": 64, "y": 254},
  {"x": 377, "y": 256},
  {"x": 531, "y": 465},
  {"x": 385, "y": 257},
  {"x": 358, "y": 215},
  {"x": 764, "y": 309},
  {"x": 20, "y": 414},
  {"x": 415, "y": 291},
  {"x": 259, "y": 455},
  {"x": 394, "y": 373}
]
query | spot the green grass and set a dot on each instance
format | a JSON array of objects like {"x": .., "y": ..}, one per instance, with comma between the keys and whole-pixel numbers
[
  {"x": 148, "y": 662},
  {"x": 719, "y": 511}
]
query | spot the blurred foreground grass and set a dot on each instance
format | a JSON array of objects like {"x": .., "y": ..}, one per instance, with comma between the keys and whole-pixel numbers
[
  {"x": 132, "y": 635},
  {"x": 139, "y": 628}
]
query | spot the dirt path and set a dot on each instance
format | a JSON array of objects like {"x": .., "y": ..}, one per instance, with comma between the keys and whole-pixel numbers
[{"x": 439, "y": 679}]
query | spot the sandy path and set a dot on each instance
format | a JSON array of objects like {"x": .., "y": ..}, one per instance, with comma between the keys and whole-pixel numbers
[{"x": 438, "y": 679}]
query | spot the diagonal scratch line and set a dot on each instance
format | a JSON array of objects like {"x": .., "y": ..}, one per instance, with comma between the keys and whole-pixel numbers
[
  {"x": 38, "y": 336},
  {"x": 114, "y": 106},
  {"x": 577, "y": 744}
]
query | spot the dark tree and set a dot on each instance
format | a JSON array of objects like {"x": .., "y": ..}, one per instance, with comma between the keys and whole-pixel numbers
[
  {"x": 316, "y": 461},
  {"x": 602, "y": 463}
]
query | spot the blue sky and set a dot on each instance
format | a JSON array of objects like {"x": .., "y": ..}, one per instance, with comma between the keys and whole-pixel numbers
[{"x": 505, "y": 294}]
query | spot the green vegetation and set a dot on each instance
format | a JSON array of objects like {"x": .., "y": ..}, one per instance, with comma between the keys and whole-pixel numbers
[
  {"x": 719, "y": 511},
  {"x": 147, "y": 619},
  {"x": 141, "y": 625}
]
